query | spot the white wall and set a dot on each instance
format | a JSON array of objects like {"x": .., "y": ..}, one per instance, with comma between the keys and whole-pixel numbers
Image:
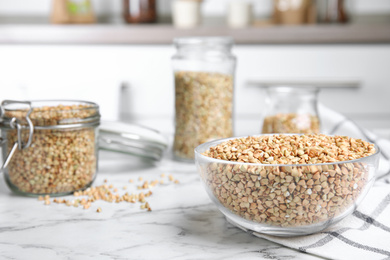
[{"x": 95, "y": 72}]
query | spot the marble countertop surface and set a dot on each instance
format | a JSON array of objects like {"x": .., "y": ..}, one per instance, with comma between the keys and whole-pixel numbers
[{"x": 183, "y": 223}]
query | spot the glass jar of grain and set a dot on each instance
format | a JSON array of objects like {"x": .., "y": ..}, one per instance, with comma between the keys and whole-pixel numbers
[
  {"x": 49, "y": 147},
  {"x": 204, "y": 78},
  {"x": 291, "y": 110}
]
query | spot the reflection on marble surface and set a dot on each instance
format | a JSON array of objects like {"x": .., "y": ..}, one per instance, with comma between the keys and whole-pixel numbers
[{"x": 183, "y": 223}]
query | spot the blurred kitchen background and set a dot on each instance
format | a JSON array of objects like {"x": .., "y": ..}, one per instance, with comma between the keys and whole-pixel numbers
[{"x": 125, "y": 66}]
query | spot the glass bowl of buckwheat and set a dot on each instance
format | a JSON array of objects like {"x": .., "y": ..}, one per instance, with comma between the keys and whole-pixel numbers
[{"x": 286, "y": 184}]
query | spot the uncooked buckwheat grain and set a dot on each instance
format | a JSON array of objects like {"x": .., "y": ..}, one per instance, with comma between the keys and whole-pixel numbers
[
  {"x": 287, "y": 195},
  {"x": 58, "y": 160},
  {"x": 203, "y": 104},
  {"x": 291, "y": 123}
]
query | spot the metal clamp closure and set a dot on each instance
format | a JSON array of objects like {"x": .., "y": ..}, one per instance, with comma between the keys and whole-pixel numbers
[{"x": 15, "y": 124}]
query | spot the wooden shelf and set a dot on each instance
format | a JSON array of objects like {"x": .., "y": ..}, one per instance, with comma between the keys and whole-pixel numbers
[{"x": 164, "y": 33}]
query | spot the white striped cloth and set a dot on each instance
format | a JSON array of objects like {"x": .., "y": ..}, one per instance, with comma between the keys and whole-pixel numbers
[{"x": 366, "y": 233}]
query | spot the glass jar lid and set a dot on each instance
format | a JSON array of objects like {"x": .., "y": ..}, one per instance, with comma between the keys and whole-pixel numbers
[
  {"x": 132, "y": 139},
  {"x": 49, "y": 114},
  {"x": 204, "y": 41}
]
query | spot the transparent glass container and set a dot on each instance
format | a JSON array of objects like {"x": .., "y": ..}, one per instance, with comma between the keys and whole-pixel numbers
[
  {"x": 291, "y": 110},
  {"x": 285, "y": 199},
  {"x": 49, "y": 147},
  {"x": 204, "y": 79},
  {"x": 140, "y": 11}
]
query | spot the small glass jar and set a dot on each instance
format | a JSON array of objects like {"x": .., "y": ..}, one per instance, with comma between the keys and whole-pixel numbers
[
  {"x": 49, "y": 147},
  {"x": 334, "y": 11},
  {"x": 204, "y": 79},
  {"x": 139, "y": 11},
  {"x": 291, "y": 110},
  {"x": 186, "y": 13}
]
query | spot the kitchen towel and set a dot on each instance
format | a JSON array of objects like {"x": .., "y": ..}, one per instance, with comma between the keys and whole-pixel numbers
[
  {"x": 333, "y": 123},
  {"x": 366, "y": 233}
]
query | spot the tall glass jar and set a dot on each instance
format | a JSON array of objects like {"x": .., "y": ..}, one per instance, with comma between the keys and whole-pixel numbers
[
  {"x": 204, "y": 78},
  {"x": 291, "y": 110},
  {"x": 49, "y": 147}
]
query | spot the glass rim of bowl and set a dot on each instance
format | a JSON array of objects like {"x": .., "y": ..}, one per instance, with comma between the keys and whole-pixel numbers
[{"x": 209, "y": 144}]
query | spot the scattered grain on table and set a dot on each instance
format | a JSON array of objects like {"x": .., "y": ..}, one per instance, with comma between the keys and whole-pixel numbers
[{"x": 109, "y": 193}]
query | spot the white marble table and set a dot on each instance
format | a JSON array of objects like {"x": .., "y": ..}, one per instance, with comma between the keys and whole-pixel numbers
[{"x": 183, "y": 223}]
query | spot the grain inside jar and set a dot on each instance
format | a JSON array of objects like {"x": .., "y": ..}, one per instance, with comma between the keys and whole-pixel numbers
[
  {"x": 291, "y": 123},
  {"x": 204, "y": 107},
  {"x": 62, "y": 157}
]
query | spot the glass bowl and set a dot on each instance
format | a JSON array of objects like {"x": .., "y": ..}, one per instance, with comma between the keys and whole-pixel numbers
[{"x": 285, "y": 199}]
